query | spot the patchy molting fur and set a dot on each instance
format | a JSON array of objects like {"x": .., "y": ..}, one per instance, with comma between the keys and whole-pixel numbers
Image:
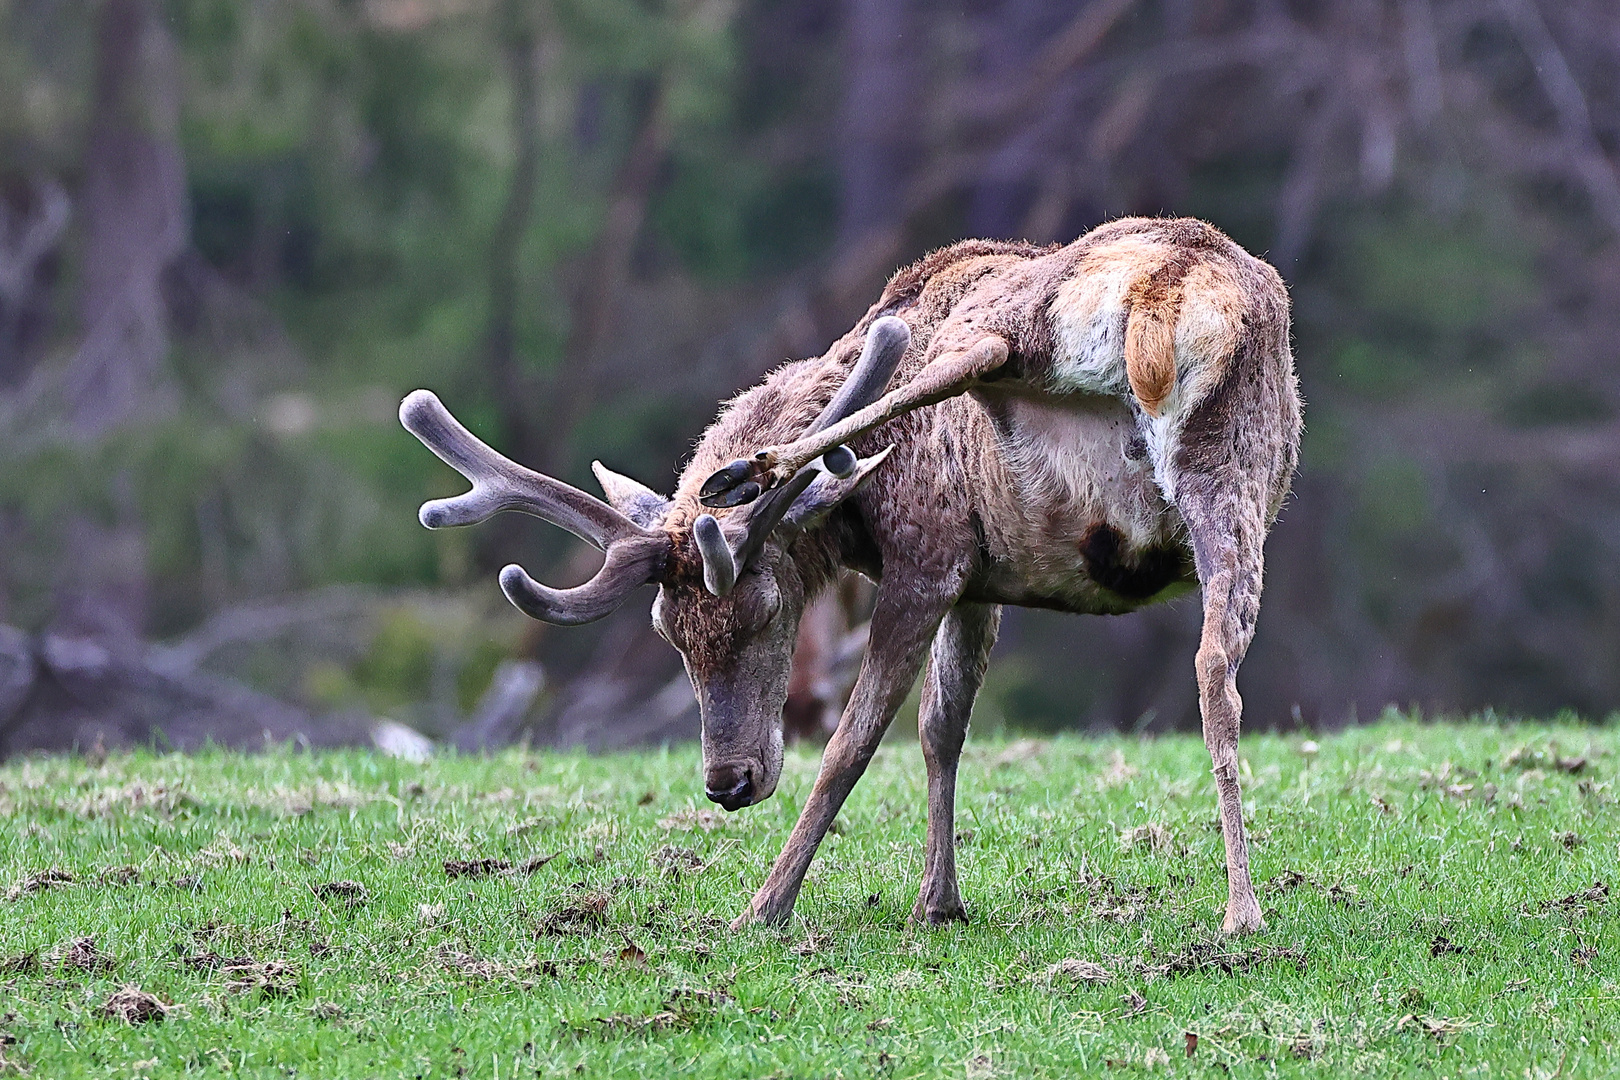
[
  {"x": 1137, "y": 439},
  {"x": 1027, "y": 464}
]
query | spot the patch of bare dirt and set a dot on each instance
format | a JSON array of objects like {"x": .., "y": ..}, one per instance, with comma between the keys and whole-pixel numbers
[
  {"x": 272, "y": 978},
  {"x": 209, "y": 960},
  {"x": 1211, "y": 957},
  {"x": 673, "y": 862},
  {"x": 1547, "y": 757},
  {"x": 1152, "y": 837},
  {"x": 1577, "y": 903},
  {"x": 326, "y": 1010},
  {"x": 83, "y": 955},
  {"x": 26, "y": 963},
  {"x": 133, "y": 1005},
  {"x": 476, "y": 868},
  {"x": 10, "y": 1066},
  {"x": 1338, "y": 892},
  {"x": 159, "y": 799},
  {"x": 1107, "y": 899},
  {"x": 37, "y": 883},
  {"x": 583, "y": 914},
  {"x": 1119, "y": 772},
  {"x": 1020, "y": 752},
  {"x": 243, "y": 974},
  {"x": 1439, "y": 1028},
  {"x": 1079, "y": 971},
  {"x": 350, "y": 894}
]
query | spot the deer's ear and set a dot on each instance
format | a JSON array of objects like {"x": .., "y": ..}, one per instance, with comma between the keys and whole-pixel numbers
[
  {"x": 818, "y": 500},
  {"x": 635, "y": 500}
]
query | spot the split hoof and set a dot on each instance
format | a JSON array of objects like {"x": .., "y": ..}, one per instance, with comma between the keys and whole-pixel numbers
[
  {"x": 938, "y": 914},
  {"x": 1243, "y": 919}
]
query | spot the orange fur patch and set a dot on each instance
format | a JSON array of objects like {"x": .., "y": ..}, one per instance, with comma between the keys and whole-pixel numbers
[
  {"x": 1150, "y": 331},
  {"x": 1150, "y": 357}
]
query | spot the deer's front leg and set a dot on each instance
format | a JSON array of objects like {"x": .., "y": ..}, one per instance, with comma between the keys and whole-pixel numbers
[
  {"x": 955, "y": 671},
  {"x": 902, "y": 623}
]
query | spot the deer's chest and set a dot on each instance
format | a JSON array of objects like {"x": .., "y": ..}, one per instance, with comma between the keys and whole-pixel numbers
[{"x": 1073, "y": 517}]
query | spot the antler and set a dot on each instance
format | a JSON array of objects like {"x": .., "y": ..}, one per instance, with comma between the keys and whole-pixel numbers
[
  {"x": 634, "y": 555},
  {"x": 887, "y": 340}
]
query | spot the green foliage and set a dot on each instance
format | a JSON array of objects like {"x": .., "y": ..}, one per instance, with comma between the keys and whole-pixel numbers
[{"x": 1429, "y": 893}]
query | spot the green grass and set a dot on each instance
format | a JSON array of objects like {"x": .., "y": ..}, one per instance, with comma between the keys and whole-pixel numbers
[{"x": 1428, "y": 890}]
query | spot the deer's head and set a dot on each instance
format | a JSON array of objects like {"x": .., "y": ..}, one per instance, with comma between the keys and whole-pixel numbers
[{"x": 730, "y": 594}]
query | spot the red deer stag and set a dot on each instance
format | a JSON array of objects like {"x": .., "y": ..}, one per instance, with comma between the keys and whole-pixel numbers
[{"x": 1089, "y": 427}]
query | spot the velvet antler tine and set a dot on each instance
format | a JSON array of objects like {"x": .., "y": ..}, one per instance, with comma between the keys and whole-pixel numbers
[
  {"x": 635, "y": 555},
  {"x": 719, "y": 564},
  {"x": 630, "y": 562},
  {"x": 887, "y": 340},
  {"x": 500, "y": 483}
]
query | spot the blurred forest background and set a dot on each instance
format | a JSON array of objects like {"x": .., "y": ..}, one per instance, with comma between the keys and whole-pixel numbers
[{"x": 233, "y": 233}]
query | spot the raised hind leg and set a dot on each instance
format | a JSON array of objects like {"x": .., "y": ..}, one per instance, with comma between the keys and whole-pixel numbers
[{"x": 956, "y": 666}]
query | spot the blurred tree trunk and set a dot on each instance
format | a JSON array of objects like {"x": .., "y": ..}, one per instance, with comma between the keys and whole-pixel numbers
[
  {"x": 510, "y": 389},
  {"x": 878, "y": 112},
  {"x": 33, "y": 217},
  {"x": 606, "y": 269},
  {"x": 135, "y": 226}
]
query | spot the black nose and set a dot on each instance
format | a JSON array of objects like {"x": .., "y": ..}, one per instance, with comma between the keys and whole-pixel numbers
[{"x": 734, "y": 798}]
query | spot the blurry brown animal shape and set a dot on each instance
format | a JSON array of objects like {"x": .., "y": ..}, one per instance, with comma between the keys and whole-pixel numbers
[{"x": 1089, "y": 427}]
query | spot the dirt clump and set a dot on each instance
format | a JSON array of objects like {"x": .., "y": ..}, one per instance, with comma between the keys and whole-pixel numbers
[
  {"x": 351, "y": 894},
  {"x": 1151, "y": 837},
  {"x": 1444, "y": 946},
  {"x": 1211, "y": 957},
  {"x": 271, "y": 979},
  {"x": 674, "y": 861},
  {"x": 1080, "y": 971},
  {"x": 133, "y": 1005},
  {"x": 684, "y": 1007},
  {"x": 25, "y": 963},
  {"x": 53, "y": 878},
  {"x": 83, "y": 955},
  {"x": 475, "y": 868},
  {"x": 583, "y": 914},
  {"x": 690, "y": 819}
]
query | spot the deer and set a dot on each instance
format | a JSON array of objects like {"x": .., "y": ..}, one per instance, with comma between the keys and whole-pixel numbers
[{"x": 1089, "y": 427}]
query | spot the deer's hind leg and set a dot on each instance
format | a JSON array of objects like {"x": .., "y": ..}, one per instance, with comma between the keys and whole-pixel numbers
[
  {"x": 956, "y": 665},
  {"x": 956, "y": 366},
  {"x": 1226, "y": 538}
]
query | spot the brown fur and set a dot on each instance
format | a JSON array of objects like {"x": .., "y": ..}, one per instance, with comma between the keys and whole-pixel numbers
[{"x": 1090, "y": 427}]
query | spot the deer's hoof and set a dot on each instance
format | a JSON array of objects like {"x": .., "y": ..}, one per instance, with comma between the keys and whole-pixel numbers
[
  {"x": 1243, "y": 918},
  {"x": 730, "y": 486},
  {"x": 762, "y": 914},
  {"x": 741, "y": 481},
  {"x": 938, "y": 914}
]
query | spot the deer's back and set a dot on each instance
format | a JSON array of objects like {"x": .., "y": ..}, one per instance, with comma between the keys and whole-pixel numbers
[{"x": 1057, "y": 477}]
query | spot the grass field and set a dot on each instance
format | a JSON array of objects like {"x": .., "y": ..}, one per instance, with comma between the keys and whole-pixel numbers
[{"x": 1431, "y": 892}]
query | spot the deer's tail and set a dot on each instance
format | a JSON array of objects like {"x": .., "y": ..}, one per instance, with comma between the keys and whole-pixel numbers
[{"x": 1150, "y": 354}]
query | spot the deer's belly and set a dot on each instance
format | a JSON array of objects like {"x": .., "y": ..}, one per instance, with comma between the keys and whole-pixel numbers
[{"x": 1080, "y": 525}]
